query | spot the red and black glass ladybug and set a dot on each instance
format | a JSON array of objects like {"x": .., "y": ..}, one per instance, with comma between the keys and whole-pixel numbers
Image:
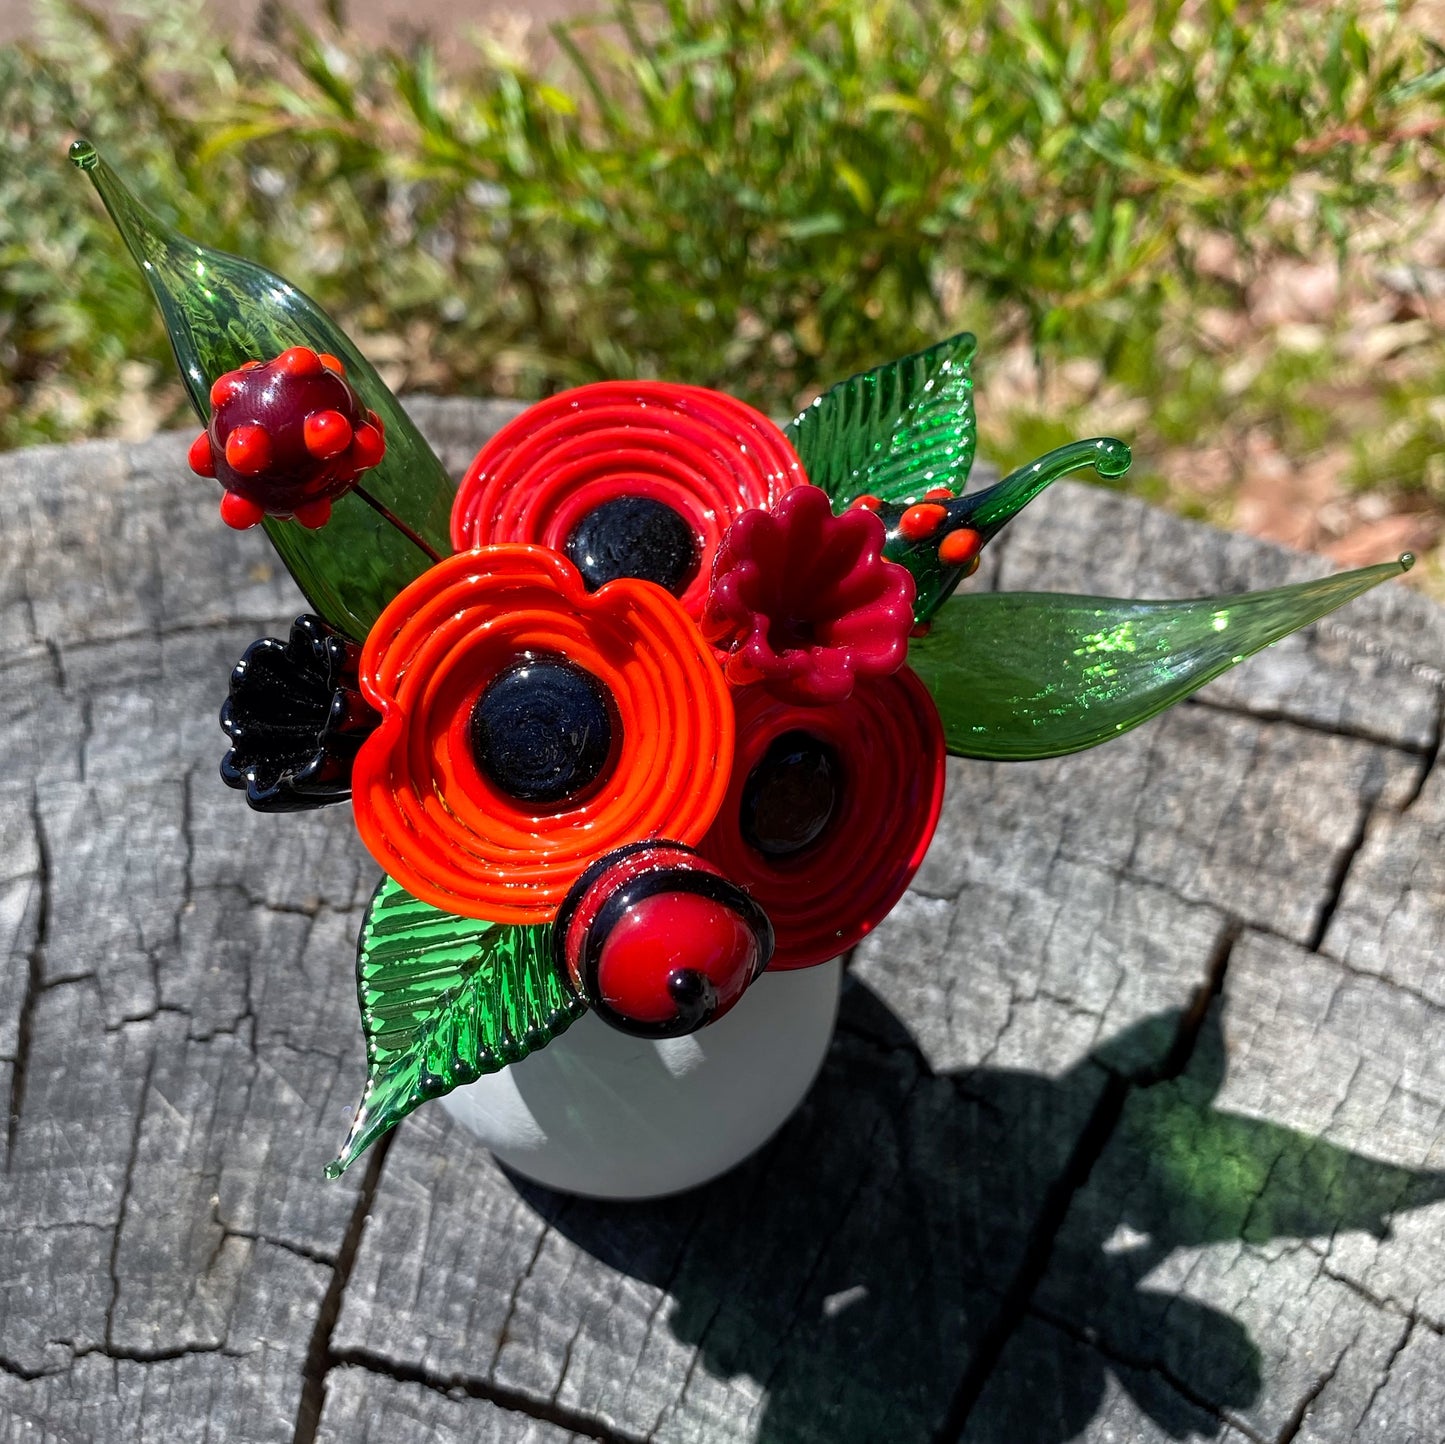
[{"x": 659, "y": 941}]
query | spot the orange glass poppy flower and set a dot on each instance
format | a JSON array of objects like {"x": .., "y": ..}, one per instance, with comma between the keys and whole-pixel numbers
[
  {"x": 627, "y": 479},
  {"x": 495, "y": 665}
]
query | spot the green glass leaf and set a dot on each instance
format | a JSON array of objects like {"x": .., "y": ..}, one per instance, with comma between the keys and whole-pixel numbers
[
  {"x": 987, "y": 512},
  {"x": 445, "y": 999},
  {"x": 895, "y": 431},
  {"x": 220, "y": 311},
  {"x": 1023, "y": 675}
]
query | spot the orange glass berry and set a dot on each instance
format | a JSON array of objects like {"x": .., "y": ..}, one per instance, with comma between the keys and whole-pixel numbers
[
  {"x": 238, "y": 513},
  {"x": 299, "y": 361},
  {"x": 314, "y": 514},
  {"x": 960, "y": 547},
  {"x": 921, "y": 521},
  {"x": 225, "y": 387}
]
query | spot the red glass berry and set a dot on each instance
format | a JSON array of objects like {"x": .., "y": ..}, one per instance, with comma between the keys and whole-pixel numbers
[
  {"x": 960, "y": 547},
  {"x": 199, "y": 456},
  {"x": 248, "y": 450},
  {"x": 287, "y": 437},
  {"x": 326, "y": 434},
  {"x": 659, "y": 941},
  {"x": 239, "y": 513},
  {"x": 921, "y": 521}
]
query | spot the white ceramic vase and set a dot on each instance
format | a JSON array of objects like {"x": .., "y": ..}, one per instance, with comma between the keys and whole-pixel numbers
[{"x": 606, "y": 1115}]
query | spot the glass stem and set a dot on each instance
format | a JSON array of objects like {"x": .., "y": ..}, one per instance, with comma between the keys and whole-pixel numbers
[{"x": 383, "y": 510}]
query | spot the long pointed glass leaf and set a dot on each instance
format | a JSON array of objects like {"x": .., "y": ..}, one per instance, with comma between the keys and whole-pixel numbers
[
  {"x": 1023, "y": 675},
  {"x": 220, "y": 311},
  {"x": 445, "y": 999},
  {"x": 896, "y": 431}
]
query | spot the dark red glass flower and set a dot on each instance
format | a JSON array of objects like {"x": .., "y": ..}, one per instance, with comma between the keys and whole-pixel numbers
[
  {"x": 626, "y": 479},
  {"x": 805, "y": 601},
  {"x": 829, "y": 810}
]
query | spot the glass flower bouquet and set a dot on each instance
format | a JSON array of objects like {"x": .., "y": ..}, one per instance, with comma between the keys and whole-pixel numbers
[{"x": 660, "y": 697}]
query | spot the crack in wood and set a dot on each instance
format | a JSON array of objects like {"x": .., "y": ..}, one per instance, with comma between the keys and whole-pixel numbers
[
  {"x": 450, "y": 1385},
  {"x": 1432, "y": 757},
  {"x": 1340, "y": 874},
  {"x": 1296, "y": 1420},
  {"x": 1277, "y": 716},
  {"x": 319, "y": 1356},
  {"x": 123, "y": 1206},
  {"x": 1088, "y": 1148},
  {"x": 34, "y": 981},
  {"x": 1406, "y": 1335},
  {"x": 1120, "y": 1359}
]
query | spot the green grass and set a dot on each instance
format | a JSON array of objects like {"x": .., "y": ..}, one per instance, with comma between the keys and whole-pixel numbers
[{"x": 759, "y": 195}]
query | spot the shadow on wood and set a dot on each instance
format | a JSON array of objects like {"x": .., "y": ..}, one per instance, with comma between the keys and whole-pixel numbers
[{"x": 882, "y": 1353}]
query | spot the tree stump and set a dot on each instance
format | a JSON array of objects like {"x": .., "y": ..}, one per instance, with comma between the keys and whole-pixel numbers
[{"x": 1132, "y": 1129}]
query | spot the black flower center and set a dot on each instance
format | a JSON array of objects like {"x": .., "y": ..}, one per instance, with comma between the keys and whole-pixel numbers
[
  {"x": 542, "y": 730},
  {"x": 634, "y": 536},
  {"x": 790, "y": 796}
]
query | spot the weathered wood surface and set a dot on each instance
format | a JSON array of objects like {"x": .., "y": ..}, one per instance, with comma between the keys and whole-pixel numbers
[{"x": 1132, "y": 1129}]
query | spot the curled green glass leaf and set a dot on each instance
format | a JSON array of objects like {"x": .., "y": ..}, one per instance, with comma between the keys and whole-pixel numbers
[
  {"x": 1023, "y": 675},
  {"x": 986, "y": 513},
  {"x": 445, "y": 999},
  {"x": 220, "y": 311},
  {"x": 896, "y": 431}
]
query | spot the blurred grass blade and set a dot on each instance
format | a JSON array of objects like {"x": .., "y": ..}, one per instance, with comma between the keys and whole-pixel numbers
[
  {"x": 219, "y": 311},
  {"x": 1023, "y": 675},
  {"x": 895, "y": 431}
]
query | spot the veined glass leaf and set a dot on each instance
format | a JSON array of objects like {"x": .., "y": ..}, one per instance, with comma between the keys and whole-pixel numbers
[
  {"x": 221, "y": 310},
  {"x": 1022, "y": 675},
  {"x": 445, "y": 999},
  {"x": 896, "y": 431}
]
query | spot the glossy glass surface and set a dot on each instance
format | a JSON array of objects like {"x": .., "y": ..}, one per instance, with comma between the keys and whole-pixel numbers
[
  {"x": 288, "y": 436},
  {"x": 887, "y": 790},
  {"x": 919, "y": 534},
  {"x": 896, "y": 431},
  {"x": 222, "y": 311},
  {"x": 658, "y": 941},
  {"x": 1025, "y": 675},
  {"x": 699, "y": 454},
  {"x": 295, "y": 719},
  {"x": 804, "y": 601},
  {"x": 445, "y": 999},
  {"x": 425, "y": 810}
]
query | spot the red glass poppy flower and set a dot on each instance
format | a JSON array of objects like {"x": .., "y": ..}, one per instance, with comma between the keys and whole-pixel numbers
[
  {"x": 805, "y": 601},
  {"x": 829, "y": 810},
  {"x": 528, "y": 726},
  {"x": 627, "y": 479}
]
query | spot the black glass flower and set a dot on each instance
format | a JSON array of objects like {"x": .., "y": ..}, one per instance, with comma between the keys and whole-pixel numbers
[{"x": 295, "y": 718}]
